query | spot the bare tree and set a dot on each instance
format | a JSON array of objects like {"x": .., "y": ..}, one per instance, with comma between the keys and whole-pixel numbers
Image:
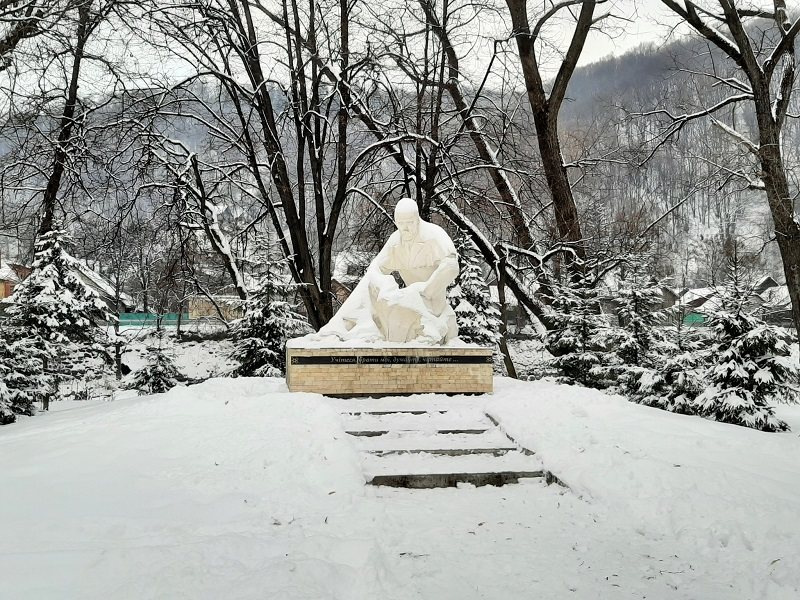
[
  {"x": 768, "y": 64},
  {"x": 546, "y": 107},
  {"x": 20, "y": 21}
]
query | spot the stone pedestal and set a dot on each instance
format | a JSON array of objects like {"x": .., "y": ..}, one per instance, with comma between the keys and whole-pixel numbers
[{"x": 343, "y": 371}]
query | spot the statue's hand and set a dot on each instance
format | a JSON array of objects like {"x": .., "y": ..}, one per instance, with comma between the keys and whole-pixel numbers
[{"x": 417, "y": 288}]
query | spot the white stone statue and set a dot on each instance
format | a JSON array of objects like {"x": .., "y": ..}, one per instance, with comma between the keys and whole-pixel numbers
[{"x": 378, "y": 309}]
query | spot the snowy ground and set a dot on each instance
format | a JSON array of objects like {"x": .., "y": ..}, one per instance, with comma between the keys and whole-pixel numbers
[
  {"x": 239, "y": 489},
  {"x": 194, "y": 359}
]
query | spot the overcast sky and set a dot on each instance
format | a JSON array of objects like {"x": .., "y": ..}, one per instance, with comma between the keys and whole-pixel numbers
[{"x": 648, "y": 21}]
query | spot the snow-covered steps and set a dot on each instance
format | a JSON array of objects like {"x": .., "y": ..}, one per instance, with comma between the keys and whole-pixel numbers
[
  {"x": 422, "y": 403},
  {"x": 491, "y": 441},
  {"x": 440, "y": 480},
  {"x": 422, "y": 469},
  {"x": 430, "y": 442},
  {"x": 426, "y": 470},
  {"x": 470, "y": 420}
]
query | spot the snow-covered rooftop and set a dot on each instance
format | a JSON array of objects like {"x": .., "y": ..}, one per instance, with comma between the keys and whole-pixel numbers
[
  {"x": 7, "y": 273},
  {"x": 101, "y": 284},
  {"x": 776, "y": 297},
  {"x": 697, "y": 295}
]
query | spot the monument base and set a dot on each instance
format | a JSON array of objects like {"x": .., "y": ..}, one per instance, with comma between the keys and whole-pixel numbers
[{"x": 388, "y": 370}]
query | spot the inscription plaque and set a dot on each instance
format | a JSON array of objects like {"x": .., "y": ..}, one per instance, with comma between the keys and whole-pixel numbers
[{"x": 392, "y": 360}]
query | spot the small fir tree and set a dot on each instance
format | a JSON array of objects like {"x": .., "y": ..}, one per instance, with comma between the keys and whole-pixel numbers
[
  {"x": 23, "y": 380},
  {"x": 750, "y": 367},
  {"x": 477, "y": 316},
  {"x": 751, "y": 371},
  {"x": 59, "y": 314},
  {"x": 260, "y": 336},
  {"x": 638, "y": 304},
  {"x": 672, "y": 386},
  {"x": 159, "y": 375},
  {"x": 639, "y": 344},
  {"x": 676, "y": 379},
  {"x": 578, "y": 341},
  {"x": 7, "y": 413}
]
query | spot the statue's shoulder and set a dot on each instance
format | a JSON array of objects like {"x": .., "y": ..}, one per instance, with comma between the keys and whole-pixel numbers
[{"x": 433, "y": 233}]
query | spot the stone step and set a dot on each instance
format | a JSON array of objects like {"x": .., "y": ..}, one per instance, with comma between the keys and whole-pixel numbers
[
  {"x": 428, "y": 422},
  {"x": 392, "y": 412},
  {"x": 422, "y": 463},
  {"x": 415, "y": 440},
  {"x": 419, "y": 444},
  {"x": 447, "y": 451},
  {"x": 422, "y": 404},
  {"x": 443, "y": 480},
  {"x": 380, "y": 432}
]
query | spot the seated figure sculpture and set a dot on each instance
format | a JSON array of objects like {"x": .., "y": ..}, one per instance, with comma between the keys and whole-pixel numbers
[{"x": 379, "y": 309}]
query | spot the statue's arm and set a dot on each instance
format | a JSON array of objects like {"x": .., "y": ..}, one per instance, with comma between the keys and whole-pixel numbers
[
  {"x": 445, "y": 274},
  {"x": 383, "y": 262}
]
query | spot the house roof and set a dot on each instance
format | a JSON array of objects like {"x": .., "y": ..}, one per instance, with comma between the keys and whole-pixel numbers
[
  {"x": 7, "y": 273},
  {"x": 698, "y": 296},
  {"x": 777, "y": 297},
  {"x": 765, "y": 283},
  {"x": 102, "y": 285}
]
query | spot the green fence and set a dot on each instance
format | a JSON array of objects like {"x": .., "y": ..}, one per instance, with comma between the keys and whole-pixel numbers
[
  {"x": 150, "y": 319},
  {"x": 694, "y": 319}
]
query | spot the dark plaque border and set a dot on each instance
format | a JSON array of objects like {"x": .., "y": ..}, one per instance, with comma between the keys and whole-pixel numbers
[{"x": 455, "y": 359}]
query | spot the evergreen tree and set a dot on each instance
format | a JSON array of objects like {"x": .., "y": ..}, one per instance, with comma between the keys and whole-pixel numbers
[
  {"x": 260, "y": 336},
  {"x": 7, "y": 413},
  {"x": 23, "y": 380},
  {"x": 639, "y": 345},
  {"x": 579, "y": 342},
  {"x": 750, "y": 372},
  {"x": 750, "y": 367},
  {"x": 159, "y": 375},
  {"x": 59, "y": 315},
  {"x": 672, "y": 386},
  {"x": 638, "y": 302},
  {"x": 477, "y": 316},
  {"x": 675, "y": 378}
]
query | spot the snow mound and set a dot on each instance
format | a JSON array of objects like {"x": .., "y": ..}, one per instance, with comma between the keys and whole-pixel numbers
[{"x": 187, "y": 494}]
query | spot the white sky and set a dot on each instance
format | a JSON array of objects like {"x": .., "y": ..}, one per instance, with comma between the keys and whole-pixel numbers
[{"x": 648, "y": 21}]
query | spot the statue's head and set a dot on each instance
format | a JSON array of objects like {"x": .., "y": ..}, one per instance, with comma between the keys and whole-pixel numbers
[{"x": 406, "y": 217}]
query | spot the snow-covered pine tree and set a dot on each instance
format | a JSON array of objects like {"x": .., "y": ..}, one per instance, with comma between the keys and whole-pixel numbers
[
  {"x": 477, "y": 316},
  {"x": 159, "y": 375},
  {"x": 578, "y": 341},
  {"x": 672, "y": 386},
  {"x": 750, "y": 366},
  {"x": 638, "y": 303},
  {"x": 639, "y": 345},
  {"x": 23, "y": 380},
  {"x": 676, "y": 380},
  {"x": 59, "y": 315},
  {"x": 7, "y": 413},
  {"x": 260, "y": 336}
]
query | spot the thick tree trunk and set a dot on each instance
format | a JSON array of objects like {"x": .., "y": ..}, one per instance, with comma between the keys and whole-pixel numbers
[
  {"x": 787, "y": 228},
  {"x": 564, "y": 207},
  {"x": 67, "y": 123},
  {"x": 545, "y": 114}
]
